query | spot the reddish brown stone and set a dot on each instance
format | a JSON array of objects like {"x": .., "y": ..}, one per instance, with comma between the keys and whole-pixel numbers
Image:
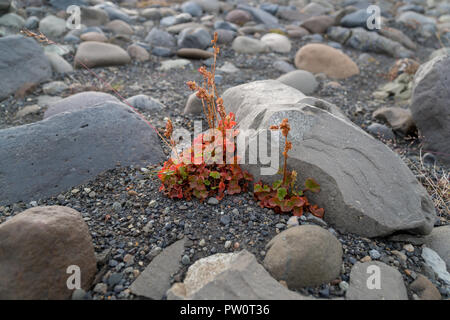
[{"x": 36, "y": 248}]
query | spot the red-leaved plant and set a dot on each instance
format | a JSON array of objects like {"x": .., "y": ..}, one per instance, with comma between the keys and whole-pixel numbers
[
  {"x": 196, "y": 176},
  {"x": 282, "y": 196}
]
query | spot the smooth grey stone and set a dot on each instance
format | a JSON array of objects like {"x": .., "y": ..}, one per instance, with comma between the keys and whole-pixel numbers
[{"x": 48, "y": 157}]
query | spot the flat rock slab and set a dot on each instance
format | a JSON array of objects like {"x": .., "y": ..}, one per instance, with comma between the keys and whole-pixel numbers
[
  {"x": 365, "y": 187},
  {"x": 154, "y": 281},
  {"x": 363, "y": 285},
  {"x": 42, "y": 159},
  {"x": 230, "y": 276},
  {"x": 22, "y": 61}
]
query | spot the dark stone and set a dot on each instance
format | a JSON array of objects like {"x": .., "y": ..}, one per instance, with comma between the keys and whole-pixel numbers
[
  {"x": 42, "y": 159},
  {"x": 225, "y": 219},
  {"x": 22, "y": 61}
]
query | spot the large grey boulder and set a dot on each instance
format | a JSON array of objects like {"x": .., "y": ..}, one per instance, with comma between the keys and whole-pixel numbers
[
  {"x": 365, "y": 187},
  {"x": 22, "y": 61},
  {"x": 375, "y": 280},
  {"x": 41, "y": 159},
  {"x": 230, "y": 276},
  {"x": 430, "y": 106}
]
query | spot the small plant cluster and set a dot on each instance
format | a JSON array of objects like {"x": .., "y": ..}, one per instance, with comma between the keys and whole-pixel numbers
[
  {"x": 203, "y": 174},
  {"x": 282, "y": 196},
  {"x": 202, "y": 171}
]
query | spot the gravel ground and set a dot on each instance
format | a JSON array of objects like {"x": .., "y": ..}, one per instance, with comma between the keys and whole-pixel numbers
[{"x": 131, "y": 221}]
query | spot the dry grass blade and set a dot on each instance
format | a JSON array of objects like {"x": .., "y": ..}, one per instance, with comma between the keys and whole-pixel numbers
[
  {"x": 437, "y": 186},
  {"x": 38, "y": 36}
]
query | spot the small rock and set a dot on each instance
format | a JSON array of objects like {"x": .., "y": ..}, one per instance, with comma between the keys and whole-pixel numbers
[
  {"x": 101, "y": 288},
  {"x": 213, "y": 201},
  {"x": 33, "y": 109},
  {"x": 193, "y": 105},
  {"x": 317, "y": 58},
  {"x": 55, "y": 88},
  {"x": 185, "y": 260},
  {"x": 243, "y": 44},
  {"x": 145, "y": 103},
  {"x": 174, "y": 64},
  {"x": 374, "y": 254},
  {"x": 225, "y": 219},
  {"x": 381, "y": 131},
  {"x": 94, "y": 54},
  {"x": 52, "y": 26},
  {"x": 301, "y": 80},
  {"x": 78, "y": 294},
  {"x": 138, "y": 53},
  {"x": 193, "y": 53},
  {"x": 239, "y": 17},
  {"x": 425, "y": 289},
  {"x": 93, "y": 36},
  {"x": 436, "y": 263},
  {"x": 277, "y": 42},
  {"x": 389, "y": 287},
  {"x": 197, "y": 38}
]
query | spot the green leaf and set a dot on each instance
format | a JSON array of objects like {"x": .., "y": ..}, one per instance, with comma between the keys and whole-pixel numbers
[
  {"x": 281, "y": 193},
  {"x": 183, "y": 172},
  {"x": 277, "y": 184},
  {"x": 258, "y": 188},
  {"x": 312, "y": 185},
  {"x": 215, "y": 174}
]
